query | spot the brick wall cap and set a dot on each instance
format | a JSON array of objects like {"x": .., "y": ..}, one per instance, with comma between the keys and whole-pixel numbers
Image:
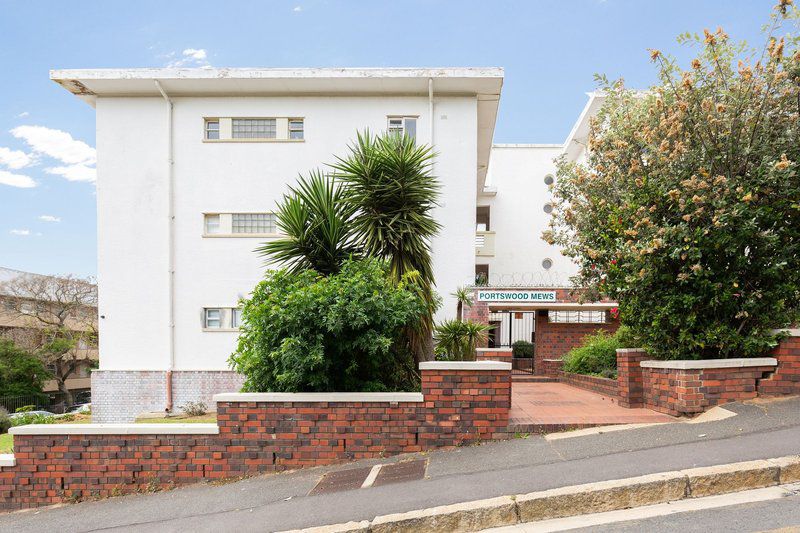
[
  {"x": 464, "y": 365},
  {"x": 7, "y": 459},
  {"x": 740, "y": 362},
  {"x": 116, "y": 429},
  {"x": 554, "y": 360},
  {"x": 494, "y": 349},
  {"x": 793, "y": 332},
  {"x": 328, "y": 397},
  {"x": 630, "y": 350}
]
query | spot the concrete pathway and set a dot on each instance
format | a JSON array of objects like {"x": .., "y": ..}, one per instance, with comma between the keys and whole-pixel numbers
[
  {"x": 537, "y": 407},
  {"x": 280, "y": 502}
]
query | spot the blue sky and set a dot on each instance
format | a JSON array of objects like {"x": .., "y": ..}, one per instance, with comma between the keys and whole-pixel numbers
[{"x": 550, "y": 51}]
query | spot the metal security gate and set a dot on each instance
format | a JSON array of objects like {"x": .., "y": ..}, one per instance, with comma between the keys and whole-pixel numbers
[{"x": 510, "y": 327}]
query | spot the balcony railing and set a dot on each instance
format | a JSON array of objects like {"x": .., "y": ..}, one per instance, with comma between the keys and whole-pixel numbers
[{"x": 484, "y": 243}]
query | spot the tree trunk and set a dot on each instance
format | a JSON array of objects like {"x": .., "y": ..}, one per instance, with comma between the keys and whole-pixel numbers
[{"x": 67, "y": 394}]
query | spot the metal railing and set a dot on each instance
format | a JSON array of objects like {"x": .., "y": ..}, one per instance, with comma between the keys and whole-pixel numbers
[{"x": 55, "y": 402}]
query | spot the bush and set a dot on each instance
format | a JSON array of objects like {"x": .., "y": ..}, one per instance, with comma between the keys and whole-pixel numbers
[
  {"x": 687, "y": 208},
  {"x": 597, "y": 356},
  {"x": 21, "y": 372},
  {"x": 5, "y": 421},
  {"x": 457, "y": 340},
  {"x": 306, "y": 332},
  {"x": 31, "y": 418},
  {"x": 522, "y": 349},
  {"x": 194, "y": 408}
]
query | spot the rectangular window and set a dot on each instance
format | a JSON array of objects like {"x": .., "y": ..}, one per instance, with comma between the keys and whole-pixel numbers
[
  {"x": 296, "y": 128},
  {"x": 403, "y": 126},
  {"x": 236, "y": 317},
  {"x": 213, "y": 319},
  {"x": 254, "y": 128},
  {"x": 212, "y": 129},
  {"x": 253, "y": 223},
  {"x": 212, "y": 224},
  {"x": 577, "y": 317}
]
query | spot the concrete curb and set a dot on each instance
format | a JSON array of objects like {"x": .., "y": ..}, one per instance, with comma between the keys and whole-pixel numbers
[{"x": 582, "y": 499}]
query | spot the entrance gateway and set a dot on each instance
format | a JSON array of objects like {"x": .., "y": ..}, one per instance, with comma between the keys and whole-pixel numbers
[{"x": 510, "y": 327}]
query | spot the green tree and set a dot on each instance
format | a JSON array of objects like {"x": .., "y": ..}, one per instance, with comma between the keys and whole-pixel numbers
[
  {"x": 463, "y": 296},
  {"x": 307, "y": 332},
  {"x": 457, "y": 340},
  {"x": 687, "y": 209},
  {"x": 21, "y": 372}
]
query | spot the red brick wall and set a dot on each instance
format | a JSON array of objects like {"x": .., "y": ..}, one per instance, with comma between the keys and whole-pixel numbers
[
  {"x": 554, "y": 340},
  {"x": 629, "y": 377},
  {"x": 604, "y": 386},
  {"x": 504, "y": 355},
  {"x": 688, "y": 392},
  {"x": 460, "y": 406},
  {"x": 786, "y": 379}
]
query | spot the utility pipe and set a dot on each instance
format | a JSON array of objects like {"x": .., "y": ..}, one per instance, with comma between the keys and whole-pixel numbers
[
  {"x": 430, "y": 110},
  {"x": 170, "y": 244}
]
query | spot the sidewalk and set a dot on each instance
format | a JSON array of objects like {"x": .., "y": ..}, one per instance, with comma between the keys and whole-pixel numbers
[{"x": 280, "y": 502}]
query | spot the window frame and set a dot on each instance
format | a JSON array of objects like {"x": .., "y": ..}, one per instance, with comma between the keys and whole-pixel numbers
[
  {"x": 226, "y": 319},
  {"x": 206, "y": 130},
  {"x": 302, "y": 129},
  {"x": 226, "y": 225},
  {"x": 254, "y": 139},
  {"x": 403, "y": 119},
  {"x": 206, "y": 311}
]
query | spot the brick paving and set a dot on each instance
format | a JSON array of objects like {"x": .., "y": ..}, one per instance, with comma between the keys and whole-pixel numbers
[{"x": 548, "y": 407}]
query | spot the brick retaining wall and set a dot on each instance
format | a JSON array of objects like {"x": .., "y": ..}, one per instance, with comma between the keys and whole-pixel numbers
[
  {"x": 555, "y": 339},
  {"x": 605, "y": 386},
  {"x": 460, "y": 403},
  {"x": 786, "y": 379}
]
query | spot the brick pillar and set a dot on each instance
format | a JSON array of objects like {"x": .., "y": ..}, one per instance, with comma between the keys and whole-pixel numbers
[
  {"x": 629, "y": 376},
  {"x": 477, "y": 312},
  {"x": 465, "y": 401},
  {"x": 504, "y": 355}
]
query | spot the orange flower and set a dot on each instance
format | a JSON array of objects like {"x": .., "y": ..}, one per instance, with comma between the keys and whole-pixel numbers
[
  {"x": 654, "y": 54},
  {"x": 710, "y": 39}
]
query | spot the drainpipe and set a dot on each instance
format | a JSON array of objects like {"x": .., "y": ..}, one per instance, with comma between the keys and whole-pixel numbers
[
  {"x": 170, "y": 245},
  {"x": 430, "y": 109}
]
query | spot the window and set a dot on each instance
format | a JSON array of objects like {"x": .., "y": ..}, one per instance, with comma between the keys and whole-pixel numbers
[
  {"x": 403, "y": 126},
  {"x": 236, "y": 317},
  {"x": 212, "y": 129},
  {"x": 254, "y": 128},
  {"x": 547, "y": 263},
  {"x": 212, "y": 224},
  {"x": 549, "y": 179},
  {"x": 253, "y": 223},
  {"x": 548, "y": 208},
  {"x": 213, "y": 319},
  {"x": 296, "y": 128},
  {"x": 577, "y": 317}
]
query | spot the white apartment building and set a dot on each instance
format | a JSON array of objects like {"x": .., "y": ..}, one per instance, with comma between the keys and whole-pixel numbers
[{"x": 191, "y": 164}]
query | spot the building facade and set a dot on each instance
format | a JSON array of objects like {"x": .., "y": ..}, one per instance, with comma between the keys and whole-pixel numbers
[{"x": 191, "y": 165}]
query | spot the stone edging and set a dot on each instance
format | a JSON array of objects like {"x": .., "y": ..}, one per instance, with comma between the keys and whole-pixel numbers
[
  {"x": 589, "y": 498},
  {"x": 326, "y": 397},
  {"x": 464, "y": 365},
  {"x": 116, "y": 429},
  {"x": 7, "y": 459},
  {"x": 742, "y": 362}
]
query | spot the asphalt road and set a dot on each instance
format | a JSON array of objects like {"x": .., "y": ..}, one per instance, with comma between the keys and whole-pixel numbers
[{"x": 279, "y": 502}]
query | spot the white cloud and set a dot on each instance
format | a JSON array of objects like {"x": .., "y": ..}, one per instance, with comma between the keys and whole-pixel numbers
[
  {"x": 20, "y": 232},
  {"x": 74, "y": 172},
  {"x": 56, "y": 144},
  {"x": 49, "y": 218},
  {"x": 16, "y": 180},
  {"x": 23, "y": 114},
  {"x": 297, "y": 9},
  {"x": 190, "y": 57},
  {"x": 78, "y": 158},
  {"x": 14, "y": 159}
]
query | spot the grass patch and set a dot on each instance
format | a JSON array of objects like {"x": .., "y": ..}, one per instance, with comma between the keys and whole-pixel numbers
[{"x": 6, "y": 443}]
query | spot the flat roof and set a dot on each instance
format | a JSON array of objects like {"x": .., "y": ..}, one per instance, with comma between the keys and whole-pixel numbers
[{"x": 483, "y": 82}]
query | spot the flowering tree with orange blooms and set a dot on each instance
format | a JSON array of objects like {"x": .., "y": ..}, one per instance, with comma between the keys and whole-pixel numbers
[{"x": 686, "y": 209}]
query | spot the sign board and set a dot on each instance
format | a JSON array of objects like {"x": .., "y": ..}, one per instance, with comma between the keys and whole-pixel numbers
[{"x": 522, "y": 296}]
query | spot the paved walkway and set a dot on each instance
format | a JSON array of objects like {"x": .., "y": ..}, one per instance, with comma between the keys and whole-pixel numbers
[
  {"x": 545, "y": 407},
  {"x": 281, "y": 501}
]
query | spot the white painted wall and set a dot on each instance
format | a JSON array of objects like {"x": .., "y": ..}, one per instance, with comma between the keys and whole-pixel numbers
[
  {"x": 237, "y": 177},
  {"x": 518, "y": 217}
]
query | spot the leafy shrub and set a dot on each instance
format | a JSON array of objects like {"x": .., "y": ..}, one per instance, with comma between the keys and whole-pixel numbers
[
  {"x": 194, "y": 408},
  {"x": 21, "y": 372},
  {"x": 686, "y": 210},
  {"x": 32, "y": 418},
  {"x": 523, "y": 349},
  {"x": 5, "y": 421},
  {"x": 25, "y": 409},
  {"x": 457, "y": 340},
  {"x": 306, "y": 332},
  {"x": 597, "y": 355}
]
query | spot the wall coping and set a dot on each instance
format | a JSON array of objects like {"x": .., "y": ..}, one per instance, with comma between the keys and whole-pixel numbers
[
  {"x": 494, "y": 349},
  {"x": 116, "y": 429},
  {"x": 464, "y": 365},
  {"x": 630, "y": 350},
  {"x": 7, "y": 459},
  {"x": 741, "y": 362},
  {"x": 327, "y": 397},
  {"x": 793, "y": 332}
]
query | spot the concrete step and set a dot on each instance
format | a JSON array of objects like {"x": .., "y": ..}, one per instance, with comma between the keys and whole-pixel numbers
[{"x": 530, "y": 378}]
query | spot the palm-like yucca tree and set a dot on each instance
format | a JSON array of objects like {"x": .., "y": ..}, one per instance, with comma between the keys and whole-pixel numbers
[
  {"x": 315, "y": 217},
  {"x": 457, "y": 340},
  {"x": 389, "y": 178},
  {"x": 464, "y": 297}
]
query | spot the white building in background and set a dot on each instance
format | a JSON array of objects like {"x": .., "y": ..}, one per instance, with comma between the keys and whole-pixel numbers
[{"x": 191, "y": 164}]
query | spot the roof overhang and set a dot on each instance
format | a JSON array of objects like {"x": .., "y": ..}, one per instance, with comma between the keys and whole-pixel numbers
[
  {"x": 578, "y": 138},
  {"x": 484, "y": 83}
]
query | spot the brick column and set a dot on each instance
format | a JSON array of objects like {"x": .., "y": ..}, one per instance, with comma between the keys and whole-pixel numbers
[
  {"x": 504, "y": 355},
  {"x": 477, "y": 312},
  {"x": 629, "y": 376}
]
